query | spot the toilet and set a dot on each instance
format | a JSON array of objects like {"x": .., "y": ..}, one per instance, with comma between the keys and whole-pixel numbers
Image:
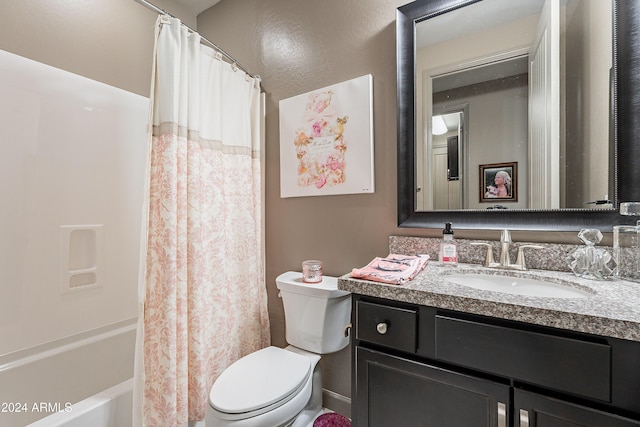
[{"x": 276, "y": 387}]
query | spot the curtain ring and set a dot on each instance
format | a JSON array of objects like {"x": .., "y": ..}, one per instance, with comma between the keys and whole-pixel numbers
[{"x": 234, "y": 67}]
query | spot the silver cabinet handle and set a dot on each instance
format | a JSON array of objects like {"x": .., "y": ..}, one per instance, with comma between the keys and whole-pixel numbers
[
  {"x": 502, "y": 415},
  {"x": 524, "y": 418},
  {"x": 382, "y": 328}
]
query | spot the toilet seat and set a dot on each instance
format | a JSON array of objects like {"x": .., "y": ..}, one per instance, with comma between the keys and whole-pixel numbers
[{"x": 259, "y": 383}]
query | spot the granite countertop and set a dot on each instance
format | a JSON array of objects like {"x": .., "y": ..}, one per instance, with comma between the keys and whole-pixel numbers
[{"x": 613, "y": 309}]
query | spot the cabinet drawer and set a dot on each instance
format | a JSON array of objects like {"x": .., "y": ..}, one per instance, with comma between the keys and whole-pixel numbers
[
  {"x": 565, "y": 364},
  {"x": 388, "y": 326}
]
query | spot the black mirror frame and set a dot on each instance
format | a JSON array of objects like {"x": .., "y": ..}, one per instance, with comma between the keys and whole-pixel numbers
[{"x": 626, "y": 16}]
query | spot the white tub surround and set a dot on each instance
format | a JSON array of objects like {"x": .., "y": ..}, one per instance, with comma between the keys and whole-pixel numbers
[
  {"x": 109, "y": 408},
  {"x": 45, "y": 379}
]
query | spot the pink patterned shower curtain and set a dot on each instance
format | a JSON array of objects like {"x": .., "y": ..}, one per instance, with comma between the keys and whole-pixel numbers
[{"x": 203, "y": 297}]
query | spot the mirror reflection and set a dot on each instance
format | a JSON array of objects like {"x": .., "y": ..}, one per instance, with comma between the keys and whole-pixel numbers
[{"x": 513, "y": 106}]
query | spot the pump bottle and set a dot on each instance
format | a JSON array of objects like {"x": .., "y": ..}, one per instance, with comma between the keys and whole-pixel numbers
[{"x": 448, "y": 247}]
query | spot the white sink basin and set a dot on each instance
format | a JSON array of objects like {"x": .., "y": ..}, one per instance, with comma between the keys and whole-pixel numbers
[{"x": 517, "y": 285}]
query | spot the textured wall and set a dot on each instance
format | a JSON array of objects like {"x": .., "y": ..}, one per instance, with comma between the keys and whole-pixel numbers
[
  {"x": 299, "y": 46},
  {"x": 110, "y": 41},
  {"x": 303, "y": 45},
  {"x": 296, "y": 46}
]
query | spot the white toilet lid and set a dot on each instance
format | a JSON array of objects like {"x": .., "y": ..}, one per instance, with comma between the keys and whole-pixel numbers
[{"x": 258, "y": 380}]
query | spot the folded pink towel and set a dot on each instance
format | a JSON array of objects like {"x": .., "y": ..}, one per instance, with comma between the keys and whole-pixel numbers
[{"x": 394, "y": 269}]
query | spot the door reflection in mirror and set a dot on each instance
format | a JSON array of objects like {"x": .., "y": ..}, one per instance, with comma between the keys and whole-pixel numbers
[{"x": 554, "y": 122}]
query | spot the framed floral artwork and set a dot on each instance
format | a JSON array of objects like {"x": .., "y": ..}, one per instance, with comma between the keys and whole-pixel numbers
[
  {"x": 326, "y": 140},
  {"x": 499, "y": 181}
]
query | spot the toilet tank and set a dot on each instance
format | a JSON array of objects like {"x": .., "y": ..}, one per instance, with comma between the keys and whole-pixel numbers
[{"x": 315, "y": 313}]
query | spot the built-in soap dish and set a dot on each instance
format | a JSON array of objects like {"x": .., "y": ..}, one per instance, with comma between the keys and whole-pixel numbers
[{"x": 80, "y": 257}]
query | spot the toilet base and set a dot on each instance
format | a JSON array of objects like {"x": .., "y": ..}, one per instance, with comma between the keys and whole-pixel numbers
[{"x": 314, "y": 407}]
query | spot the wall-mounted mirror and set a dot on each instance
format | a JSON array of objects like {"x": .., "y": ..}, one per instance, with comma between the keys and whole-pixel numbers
[{"x": 516, "y": 113}]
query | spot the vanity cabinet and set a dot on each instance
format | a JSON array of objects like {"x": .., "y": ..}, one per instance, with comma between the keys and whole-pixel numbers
[
  {"x": 395, "y": 391},
  {"x": 422, "y": 366}
]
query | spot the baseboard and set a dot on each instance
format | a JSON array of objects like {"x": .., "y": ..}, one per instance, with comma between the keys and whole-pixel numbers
[{"x": 336, "y": 402}]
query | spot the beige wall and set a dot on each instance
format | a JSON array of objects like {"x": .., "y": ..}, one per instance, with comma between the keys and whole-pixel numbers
[
  {"x": 110, "y": 41},
  {"x": 589, "y": 60},
  {"x": 446, "y": 57},
  {"x": 497, "y": 132},
  {"x": 296, "y": 46},
  {"x": 299, "y": 46}
]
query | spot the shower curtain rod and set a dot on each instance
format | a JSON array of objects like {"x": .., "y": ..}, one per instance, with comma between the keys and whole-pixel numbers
[{"x": 231, "y": 59}]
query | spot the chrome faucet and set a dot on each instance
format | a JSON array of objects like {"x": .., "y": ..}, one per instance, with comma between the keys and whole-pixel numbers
[{"x": 505, "y": 260}]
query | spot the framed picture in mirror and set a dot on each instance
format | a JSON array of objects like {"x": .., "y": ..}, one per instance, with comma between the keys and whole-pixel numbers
[{"x": 499, "y": 181}]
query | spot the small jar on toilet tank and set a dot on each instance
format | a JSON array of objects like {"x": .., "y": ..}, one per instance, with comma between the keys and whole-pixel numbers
[{"x": 312, "y": 271}]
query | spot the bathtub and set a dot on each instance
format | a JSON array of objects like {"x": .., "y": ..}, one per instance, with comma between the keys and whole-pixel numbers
[
  {"x": 109, "y": 408},
  {"x": 83, "y": 380}
]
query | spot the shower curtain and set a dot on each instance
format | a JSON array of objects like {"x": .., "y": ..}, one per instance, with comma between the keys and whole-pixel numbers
[{"x": 203, "y": 301}]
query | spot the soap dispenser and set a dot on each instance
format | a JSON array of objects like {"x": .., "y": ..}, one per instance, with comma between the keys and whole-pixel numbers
[{"x": 448, "y": 247}]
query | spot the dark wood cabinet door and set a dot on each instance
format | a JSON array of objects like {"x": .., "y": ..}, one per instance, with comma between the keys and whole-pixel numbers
[
  {"x": 393, "y": 391},
  {"x": 533, "y": 410}
]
